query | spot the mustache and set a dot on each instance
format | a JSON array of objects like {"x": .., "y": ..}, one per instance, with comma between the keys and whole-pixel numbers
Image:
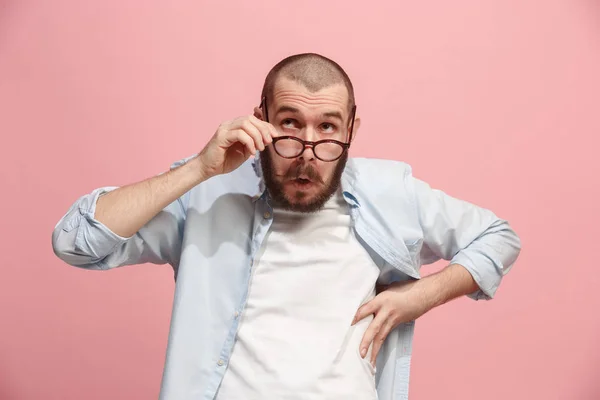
[{"x": 303, "y": 169}]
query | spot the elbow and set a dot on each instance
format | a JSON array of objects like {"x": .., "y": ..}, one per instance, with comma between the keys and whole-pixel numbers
[
  {"x": 63, "y": 245},
  {"x": 501, "y": 244},
  {"x": 513, "y": 239},
  {"x": 73, "y": 239},
  {"x": 510, "y": 246},
  {"x": 506, "y": 232},
  {"x": 59, "y": 244}
]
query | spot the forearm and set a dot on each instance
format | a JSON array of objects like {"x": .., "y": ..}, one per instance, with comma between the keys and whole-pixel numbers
[
  {"x": 443, "y": 286},
  {"x": 126, "y": 209}
]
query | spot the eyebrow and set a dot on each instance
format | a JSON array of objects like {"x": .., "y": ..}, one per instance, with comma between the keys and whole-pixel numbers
[
  {"x": 330, "y": 114},
  {"x": 283, "y": 109},
  {"x": 333, "y": 114}
]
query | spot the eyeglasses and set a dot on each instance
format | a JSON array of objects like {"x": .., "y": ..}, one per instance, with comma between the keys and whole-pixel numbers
[{"x": 325, "y": 150}]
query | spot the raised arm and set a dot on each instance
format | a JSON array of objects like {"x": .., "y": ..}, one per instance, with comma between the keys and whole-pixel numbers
[
  {"x": 133, "y": 224},
  {"x": 143, "y": 222}
]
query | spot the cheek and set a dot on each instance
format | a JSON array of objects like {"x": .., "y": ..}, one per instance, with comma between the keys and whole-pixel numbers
[
  {"x": 326, "y": 170},
  {"x": 280, "y": 165}
]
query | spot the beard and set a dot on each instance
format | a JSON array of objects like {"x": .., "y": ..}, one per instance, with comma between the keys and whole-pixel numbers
[{"x": 276, "y": 188}]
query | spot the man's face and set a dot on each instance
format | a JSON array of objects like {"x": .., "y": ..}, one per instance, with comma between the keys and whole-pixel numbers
[{"x": 305, "y": 183}]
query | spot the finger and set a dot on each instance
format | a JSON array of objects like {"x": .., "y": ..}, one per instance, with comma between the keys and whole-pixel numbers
[
  {"x": 269, "y": 126},
  {"x": 265, "y": 129},
  {"x": 372, "y": 330},
  {"x": 379, "y": 340},
  {"x": 239, "y": 135},
  {"x": 366, "y": 309},
  {"x": 243, "y": 124},
  {"x": 254, "y": 133}
]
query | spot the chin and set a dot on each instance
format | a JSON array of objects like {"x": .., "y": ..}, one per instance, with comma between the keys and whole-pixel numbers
[
  {"x": 306, "y": 201},
  {"x": 301, "y": 198}
]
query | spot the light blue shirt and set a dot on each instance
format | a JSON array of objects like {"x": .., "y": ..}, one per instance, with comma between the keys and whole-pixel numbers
[{"x": 211, "y": 234}]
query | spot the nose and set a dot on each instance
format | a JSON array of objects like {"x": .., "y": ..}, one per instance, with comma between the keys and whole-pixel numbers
[{"x": 308, "y": 154}]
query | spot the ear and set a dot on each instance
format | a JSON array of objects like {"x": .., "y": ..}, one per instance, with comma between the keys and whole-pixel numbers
[
  {"x": 356, "y": 127},
  {"x": 258, "y": 113}
]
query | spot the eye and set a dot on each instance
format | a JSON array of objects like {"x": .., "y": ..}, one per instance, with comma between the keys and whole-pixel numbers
[
  {"x": 288, "y": 123},
  {"x": 328, "y": 128}
]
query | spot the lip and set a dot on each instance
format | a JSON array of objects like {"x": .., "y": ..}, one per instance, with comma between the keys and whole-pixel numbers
[{"x": 309, "y": 184}]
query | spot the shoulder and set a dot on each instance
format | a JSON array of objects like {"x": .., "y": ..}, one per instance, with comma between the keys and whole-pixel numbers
[
  {"x": 383, "y": 183},
  {"x": 378, "y": 170}
]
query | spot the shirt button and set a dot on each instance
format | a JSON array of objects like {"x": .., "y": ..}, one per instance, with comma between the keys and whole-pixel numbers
[
  {"x": 221, "y": 362},
  {"x": 237, "y": 314},
  {"x": 267, "y": 215}
]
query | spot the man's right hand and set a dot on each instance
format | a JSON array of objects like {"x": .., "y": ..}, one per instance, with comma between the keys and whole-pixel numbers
[{"x": 233, "y": 143}]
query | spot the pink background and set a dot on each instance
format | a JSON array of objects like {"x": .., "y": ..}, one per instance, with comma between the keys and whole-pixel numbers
[{"x": 493, "y": 101}]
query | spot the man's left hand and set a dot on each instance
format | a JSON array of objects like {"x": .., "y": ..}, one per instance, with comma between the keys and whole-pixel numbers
[
  {"x": 395, "y": 304},
  {"x": 406, "y": 301}
]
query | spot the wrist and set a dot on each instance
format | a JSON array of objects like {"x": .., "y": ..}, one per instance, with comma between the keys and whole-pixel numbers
[
  {"x": 451, "y": 282},
  {"x": 431, "y": 292},
  {"x": 198, "y": 170}
]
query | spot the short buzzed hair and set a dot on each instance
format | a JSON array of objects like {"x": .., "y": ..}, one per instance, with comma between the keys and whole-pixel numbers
[{"x": 311, "y": 70}]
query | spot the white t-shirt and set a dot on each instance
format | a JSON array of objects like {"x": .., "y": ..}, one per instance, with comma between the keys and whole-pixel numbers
[{"x": 295, "y": 339}]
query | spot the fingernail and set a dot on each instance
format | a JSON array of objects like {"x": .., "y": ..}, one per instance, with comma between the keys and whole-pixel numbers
[{"x": 363, "y": 352}]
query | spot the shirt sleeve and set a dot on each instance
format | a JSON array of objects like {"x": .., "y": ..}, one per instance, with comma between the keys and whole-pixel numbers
[
  {"x": 465, "y": 234},
  {"x": 80, "y": 240}
]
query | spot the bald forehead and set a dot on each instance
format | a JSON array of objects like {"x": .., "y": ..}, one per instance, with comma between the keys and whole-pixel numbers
[
  {"x": 290, "y": 96},
  {"x": 286, "y": 88},
  {"x": 332, "y": 95},
  {"x": 316, "y": 74}
]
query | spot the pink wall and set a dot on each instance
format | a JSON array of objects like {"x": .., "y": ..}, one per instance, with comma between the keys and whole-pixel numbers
[{"x": 493, "y": 101}]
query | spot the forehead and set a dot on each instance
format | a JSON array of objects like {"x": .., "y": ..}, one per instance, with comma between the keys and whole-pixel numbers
[{"x": 289, "y": 92}]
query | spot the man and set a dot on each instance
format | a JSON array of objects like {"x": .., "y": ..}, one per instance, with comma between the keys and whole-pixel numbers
[{"x": 277, "y": 258}]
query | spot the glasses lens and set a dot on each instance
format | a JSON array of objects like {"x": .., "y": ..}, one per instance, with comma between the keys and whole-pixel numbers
[
  {"x": 288, "y": 148},
  {"x": 328, "y": 151}
]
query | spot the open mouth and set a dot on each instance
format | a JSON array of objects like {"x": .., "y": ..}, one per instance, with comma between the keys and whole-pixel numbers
[{"x": 302, "y": 182}]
